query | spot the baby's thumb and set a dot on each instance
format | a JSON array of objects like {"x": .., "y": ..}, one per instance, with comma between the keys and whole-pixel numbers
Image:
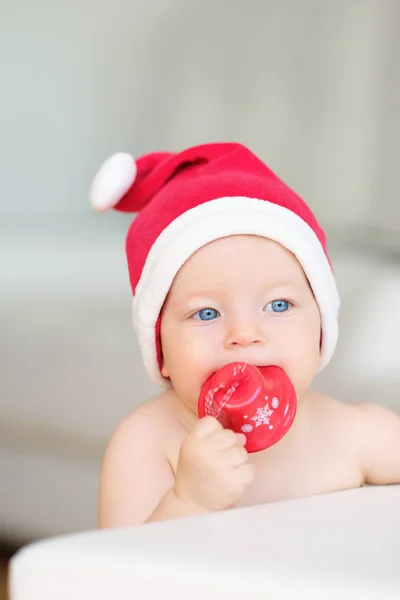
[{"x": 241, "y": 438}]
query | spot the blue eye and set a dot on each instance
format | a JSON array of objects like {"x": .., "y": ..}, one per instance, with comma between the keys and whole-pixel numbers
[
  {"x": 206, "y": 314},
  {"x": 278, "y": 306}
]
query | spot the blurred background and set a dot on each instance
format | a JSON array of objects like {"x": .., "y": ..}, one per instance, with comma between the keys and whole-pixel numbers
[{"x": 312, "y": 86}]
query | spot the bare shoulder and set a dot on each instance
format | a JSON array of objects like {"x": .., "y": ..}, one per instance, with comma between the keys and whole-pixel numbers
[
  {"x": 360, "y": 417},
  {"x": 371, "y": 431},
  {"x": 378, "y": 440},
  {"x": 136, "y": 470},
  {"x": 351, "y": 417},
  {"x": 333, "y": 422},
  {"x": 326, "y": 407},
  {"x": 149, "y": 424}
]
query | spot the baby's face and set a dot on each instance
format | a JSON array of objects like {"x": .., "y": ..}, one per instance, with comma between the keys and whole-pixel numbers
[{"x": 240, "y": 298}]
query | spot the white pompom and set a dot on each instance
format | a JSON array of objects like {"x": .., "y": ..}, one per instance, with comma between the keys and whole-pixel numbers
[{"x": 112, "y": 181}]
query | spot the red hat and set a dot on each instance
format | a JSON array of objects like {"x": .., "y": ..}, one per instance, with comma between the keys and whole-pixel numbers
[{"x": 188, "y": 199}]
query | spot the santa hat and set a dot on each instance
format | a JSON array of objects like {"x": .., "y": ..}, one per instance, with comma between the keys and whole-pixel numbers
[{"x": 188, "y": 199}]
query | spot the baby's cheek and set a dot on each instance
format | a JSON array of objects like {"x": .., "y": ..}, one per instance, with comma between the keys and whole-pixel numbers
[
  {"x": 299, "y": 357},
  {"x": 189, "y": 365}
]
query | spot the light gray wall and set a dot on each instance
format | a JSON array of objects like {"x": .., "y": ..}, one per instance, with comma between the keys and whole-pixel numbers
[
  {"x": 312, "y": 86},
  {"x": 69, "y": 90}
]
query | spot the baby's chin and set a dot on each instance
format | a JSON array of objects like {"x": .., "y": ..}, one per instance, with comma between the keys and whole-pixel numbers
[
  {"x": 190, "y": 405},
  {"x": 188, "y": 399}
]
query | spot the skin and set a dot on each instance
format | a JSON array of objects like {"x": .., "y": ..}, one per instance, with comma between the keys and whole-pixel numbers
[{"x": 240, "y": 298}]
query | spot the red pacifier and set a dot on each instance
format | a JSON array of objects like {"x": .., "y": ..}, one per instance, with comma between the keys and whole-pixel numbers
[{"x": 257, "y": 401}]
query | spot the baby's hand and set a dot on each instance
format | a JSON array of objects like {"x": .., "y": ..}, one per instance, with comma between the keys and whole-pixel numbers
[{"x": 213, "y": 469}]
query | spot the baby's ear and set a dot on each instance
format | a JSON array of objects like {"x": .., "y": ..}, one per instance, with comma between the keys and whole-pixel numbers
[{"x": 164, "y": 370}]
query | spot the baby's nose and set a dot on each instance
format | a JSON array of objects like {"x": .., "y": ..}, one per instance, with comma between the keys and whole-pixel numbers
[{"x": 243, "y": 333}]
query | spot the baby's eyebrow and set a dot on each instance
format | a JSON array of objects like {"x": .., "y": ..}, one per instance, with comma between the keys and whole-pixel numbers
[
  {"x": 193, "y": 299},
  {"x": 281, "y": 284},
  {"x": 207, "y": 296},
  {"x": 275, "y": 286}
]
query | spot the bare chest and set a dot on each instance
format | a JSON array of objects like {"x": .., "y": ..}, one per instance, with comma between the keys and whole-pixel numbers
[
  {"x": 305, "y": 472},
  {"x": 316, "y": 459},
  {"x": 317, "y": 456}
]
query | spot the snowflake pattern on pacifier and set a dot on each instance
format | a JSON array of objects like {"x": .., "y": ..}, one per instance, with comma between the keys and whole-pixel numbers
[{"x": 262, "y": 416}]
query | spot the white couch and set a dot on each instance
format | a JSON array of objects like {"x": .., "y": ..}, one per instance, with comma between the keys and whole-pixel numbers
[{"x": 70, "y": 367}]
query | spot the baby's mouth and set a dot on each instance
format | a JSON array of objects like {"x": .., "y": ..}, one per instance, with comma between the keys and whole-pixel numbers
[{"x": 241, "y": 362}]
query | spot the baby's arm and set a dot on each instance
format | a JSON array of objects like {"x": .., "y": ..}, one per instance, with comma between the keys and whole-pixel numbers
[
  {"x": 378, "y": 430},
  {"x": 138, "y": 485},
  {"x": 137, "y": 481}
]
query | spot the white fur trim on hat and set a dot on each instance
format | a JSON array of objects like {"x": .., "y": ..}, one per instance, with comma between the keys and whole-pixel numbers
[
  {"x": 220, "y": 218},
  {"x": 111, "y": 182}
]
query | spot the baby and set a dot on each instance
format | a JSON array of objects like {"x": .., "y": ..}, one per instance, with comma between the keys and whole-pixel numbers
[{"x": 228, "y": 264}]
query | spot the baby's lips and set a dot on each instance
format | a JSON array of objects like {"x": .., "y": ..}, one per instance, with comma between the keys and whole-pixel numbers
[{"x": 259, "y": 402}]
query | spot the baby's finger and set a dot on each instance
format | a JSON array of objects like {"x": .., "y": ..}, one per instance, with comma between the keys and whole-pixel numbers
[
  {"x": 206, "y": 426},
  {"x": 222, "y": 440},
  {"x": 241, "y": 438},
  {"x": 237, "y": 456}
]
